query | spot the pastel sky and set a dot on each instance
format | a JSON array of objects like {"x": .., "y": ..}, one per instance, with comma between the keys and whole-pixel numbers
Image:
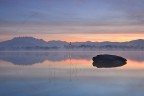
[{"x": 73, "y": 20}]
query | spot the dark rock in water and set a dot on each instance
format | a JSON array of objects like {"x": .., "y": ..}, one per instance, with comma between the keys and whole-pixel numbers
[{"x": 108, "y": 61}]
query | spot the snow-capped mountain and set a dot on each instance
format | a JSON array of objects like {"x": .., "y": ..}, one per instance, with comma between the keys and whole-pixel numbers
[
  {"x": 33, "y": 43},
  {"x": 23, "y": 42}
]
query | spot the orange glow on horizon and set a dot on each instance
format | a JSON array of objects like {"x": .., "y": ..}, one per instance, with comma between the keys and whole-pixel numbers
[
  {"x": 95, "y": 37},
  {"x": 81, "y": 37}
]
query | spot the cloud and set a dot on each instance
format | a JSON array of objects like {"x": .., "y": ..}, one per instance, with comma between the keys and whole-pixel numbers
[
  {"x": 82, "y": 12},
  {"x": 69, "y": 29}
]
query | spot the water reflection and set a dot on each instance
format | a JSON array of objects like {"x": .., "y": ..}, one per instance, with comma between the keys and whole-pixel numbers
[
  {"x": 69, "y": 73},
  {"x": 29, "y": 58}
]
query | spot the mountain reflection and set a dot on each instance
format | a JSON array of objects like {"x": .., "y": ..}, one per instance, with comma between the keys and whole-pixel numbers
[{"x": 29, "y": 58}]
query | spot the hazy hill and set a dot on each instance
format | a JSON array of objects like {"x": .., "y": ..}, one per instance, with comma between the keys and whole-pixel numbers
[
  {"x": 56, "y": 43},
  {"x": 33, "y": 43},
  {"x": 23, "y": 42}
]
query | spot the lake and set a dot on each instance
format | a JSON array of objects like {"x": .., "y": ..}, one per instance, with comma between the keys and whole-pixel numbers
[{"x": 69, "y": 73}]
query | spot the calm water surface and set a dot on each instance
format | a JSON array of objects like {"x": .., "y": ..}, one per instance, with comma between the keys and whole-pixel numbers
[{"x": 69, "y": 74}]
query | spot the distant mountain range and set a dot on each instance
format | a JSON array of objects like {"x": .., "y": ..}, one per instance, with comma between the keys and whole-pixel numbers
[{"x": 30, "y": 43}]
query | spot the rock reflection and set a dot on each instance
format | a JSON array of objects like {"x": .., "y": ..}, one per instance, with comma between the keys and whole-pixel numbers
[{"x": 108, "y": 61}]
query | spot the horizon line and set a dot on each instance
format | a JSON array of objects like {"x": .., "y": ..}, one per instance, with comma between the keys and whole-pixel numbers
[{"x": 68, "y": 41}]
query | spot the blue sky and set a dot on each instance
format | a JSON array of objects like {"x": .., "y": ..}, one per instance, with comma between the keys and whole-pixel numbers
[{"x": 18, "y": 15}]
